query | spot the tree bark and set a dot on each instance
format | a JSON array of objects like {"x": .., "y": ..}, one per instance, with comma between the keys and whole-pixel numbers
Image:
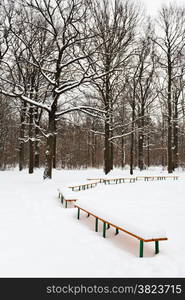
[
  {"x": 175, "y": 137},
  {"x": 132, "y": 138},
  {"x": 50, "y": 144},
  {"x": 55, "y": 149},
  {"x": 31, "y": 142},
  {"x": 122, "y": 152},
  {"x": 107, "y": 149},
  {"x": 21, "y": 138},
  {"x": 37, "y": 149},
  {"x": 169, "y": 146},
  {"x": 141, "y": 140}
]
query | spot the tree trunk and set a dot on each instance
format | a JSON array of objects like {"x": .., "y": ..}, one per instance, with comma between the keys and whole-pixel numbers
[
  {"x": 140, "y": 152},
  {"x": 175, "y": 137},
  {"x": 169, "y": 146},
  {"x": 50, "y": 145},
  {"x": 21, "y": 138},
  {"x": 31, "y": 142},
  {"x": 141, "y": 140},
  {"x": 37, "y": 117},
  {"x": 107, "y": 149},
  {"x": 148, "y": 151},
  {"x": 111, "y": 156},
  {"x": 122, "y": 152},
  {"x": 132, "y": 138},
  {"x": 37, "y": 149},
  {"x": 54, "y": 150}
]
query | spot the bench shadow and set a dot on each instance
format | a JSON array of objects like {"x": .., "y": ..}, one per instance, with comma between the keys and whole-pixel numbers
[{"x": 122, "y": 240}]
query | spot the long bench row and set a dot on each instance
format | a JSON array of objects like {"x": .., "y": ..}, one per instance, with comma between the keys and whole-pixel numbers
[
  {"x": 133, "y": 179},
  {"x": 107, "y": 223},
  {"x": 160, "y": 177},
  {"x": 109, "y": 181}
]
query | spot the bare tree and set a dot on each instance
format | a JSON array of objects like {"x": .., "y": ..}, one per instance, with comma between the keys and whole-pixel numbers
[
  {"x": 171, "y": 43},
  {"x": 64, "y": 70},
  {"x": 114, "y": 25}
]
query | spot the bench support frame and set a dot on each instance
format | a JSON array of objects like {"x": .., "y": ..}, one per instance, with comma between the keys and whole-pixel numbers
[
  {"x": 96, "y": 225},
  {"x": 156, "y": 247},
  {"x": 78, "y": 213},
  {"x": 141, "y": 248}
]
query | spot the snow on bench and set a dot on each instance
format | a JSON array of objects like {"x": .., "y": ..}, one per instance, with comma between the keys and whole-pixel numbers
[
  {"x": 158, "y": 177},
  {"x": 119, "y": 180},
  {"x": 100, "y": 180},
  {"x": 133, "y": 179},
  {"x": 65, "y": 195},
  {"x": 84, "y": 186},
  {"x": 121, "y": 217}
]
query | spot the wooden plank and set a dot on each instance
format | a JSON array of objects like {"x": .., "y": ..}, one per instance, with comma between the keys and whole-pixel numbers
[
  {"x": 83, "y": 185},
  {"x": 71, "y": 199},
  {"x": 98, "y": 179},
  {"x": 119, "y": 180},
  {"x": 122, "y": 229}
]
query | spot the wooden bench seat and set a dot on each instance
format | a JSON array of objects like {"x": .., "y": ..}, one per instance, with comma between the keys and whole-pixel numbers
[
  {"x": 64, "y": 200},
  {"x": 84, "y": 186},
  {"x": 100, "y": 180},
  {"x": 146, "y": 178},
  {"x": 119, "y": 180},
  {"x": 158, "y": 177},
  {"x": 168, "y": 176},
  {"x": 107, "y": 223}
]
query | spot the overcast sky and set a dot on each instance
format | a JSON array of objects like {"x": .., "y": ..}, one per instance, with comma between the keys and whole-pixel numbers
[{"x": 152, "y": 6}]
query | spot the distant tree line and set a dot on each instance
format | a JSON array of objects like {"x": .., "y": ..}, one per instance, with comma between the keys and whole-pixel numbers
[{"x": 91, "y": 84}]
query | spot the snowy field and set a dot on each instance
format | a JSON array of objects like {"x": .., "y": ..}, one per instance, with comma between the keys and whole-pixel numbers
[{"x": 40, "y": 238}]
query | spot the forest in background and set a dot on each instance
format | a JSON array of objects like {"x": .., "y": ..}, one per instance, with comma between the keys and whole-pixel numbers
[{"x": 91, "y": 84}]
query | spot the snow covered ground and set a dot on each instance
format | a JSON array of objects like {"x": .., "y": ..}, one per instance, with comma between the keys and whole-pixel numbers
[{"x": 40, "y": 238}]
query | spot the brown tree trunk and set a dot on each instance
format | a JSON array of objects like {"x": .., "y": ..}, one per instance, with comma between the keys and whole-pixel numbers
[
  {"x": 141, "y": 140},
  {"x": 31, "y": 142},
  {"x": 21, "y": 138},
  {"x": 111, "y": 156},
  {"x": 148, "y": 151},
  {"x": 50, "y": 145},
  {"x": 122, "y": 152},
  {"x": 107, "y": 149},
  {"x": 37, "y": 149},
  {"x": 54, "y": 149},
  {"x": 132, "y": 138},
  {"x": 175, "y": 137},
  {"x": 169, "y": 144}
]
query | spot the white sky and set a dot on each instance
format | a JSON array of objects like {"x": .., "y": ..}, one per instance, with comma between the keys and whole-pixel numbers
[{"x": 152, "y": 6}]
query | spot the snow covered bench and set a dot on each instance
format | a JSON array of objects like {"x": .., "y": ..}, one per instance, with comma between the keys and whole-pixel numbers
[
  {"x": 84, "y": 186},
  {"x": 158, "y": 177},
  {"x": 65, "y": 197},
  {"x": 107, "y": 224},
  {"x": 146, "y": 178},
  {"x": 119, "y": 180},
  {"x": 100, "y": 180},
  {"x": 166, "y": 176}
]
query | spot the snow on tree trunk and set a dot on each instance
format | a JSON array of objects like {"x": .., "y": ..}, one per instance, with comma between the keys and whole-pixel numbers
[{"x": 50, "y": 146}]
